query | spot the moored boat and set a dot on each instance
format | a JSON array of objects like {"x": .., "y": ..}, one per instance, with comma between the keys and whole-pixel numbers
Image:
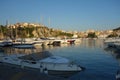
[
  {"x": 71, "y": 41},
  {"x": 4, "y": 43},
  {"x": 56, "y": 65}
]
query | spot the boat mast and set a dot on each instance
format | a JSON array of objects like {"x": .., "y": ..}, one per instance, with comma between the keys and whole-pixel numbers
[
  {"x": 16, "y": 36},
  {"x": 1, "y": 32},
  {"x": 41, "y": 20},
  {"x": 49, "y": 22},
  {"x": 7, "y": 25},
  {"x": 42, "y": 29},
  {"x": 49, "y": 26}
]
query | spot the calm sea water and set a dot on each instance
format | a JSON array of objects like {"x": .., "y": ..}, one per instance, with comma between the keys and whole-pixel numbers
[{"x": 91, "y": 54}]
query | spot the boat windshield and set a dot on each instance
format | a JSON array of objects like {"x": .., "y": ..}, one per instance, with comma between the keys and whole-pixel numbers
[{"x": 36, "y": 56}]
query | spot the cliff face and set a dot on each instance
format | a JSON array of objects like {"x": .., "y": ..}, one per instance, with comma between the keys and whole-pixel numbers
[{"x": 41, "y": 32}]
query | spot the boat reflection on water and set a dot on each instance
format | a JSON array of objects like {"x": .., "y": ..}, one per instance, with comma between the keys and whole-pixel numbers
[
  {"x": 116, "y": 54},
  {"x": 29, "y": 50}
]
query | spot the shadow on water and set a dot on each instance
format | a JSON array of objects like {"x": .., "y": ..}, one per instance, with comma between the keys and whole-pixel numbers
[{"x": 115, "y": 52}]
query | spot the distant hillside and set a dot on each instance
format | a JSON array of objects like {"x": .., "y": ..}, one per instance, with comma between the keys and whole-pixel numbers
[{"x": 28, "y": 30}]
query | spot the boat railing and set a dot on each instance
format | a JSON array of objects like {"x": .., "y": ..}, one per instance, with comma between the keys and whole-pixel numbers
[{"x": 29, "y": 61}]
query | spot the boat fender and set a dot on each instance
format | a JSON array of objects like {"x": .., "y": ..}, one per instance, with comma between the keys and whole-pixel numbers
[
  {"x": 41, "y": 68},
  {"x": 45, "y": 71}
]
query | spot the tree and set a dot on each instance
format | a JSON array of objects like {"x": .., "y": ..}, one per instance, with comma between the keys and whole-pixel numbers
[
  {"x": 114, "y": 34},
  {"x": 91, "y": 35}
]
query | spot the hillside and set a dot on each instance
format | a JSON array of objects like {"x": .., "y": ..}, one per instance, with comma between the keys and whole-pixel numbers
[
  {"x": 116, "y": 29},
  {"x": 29, "y": 30}
]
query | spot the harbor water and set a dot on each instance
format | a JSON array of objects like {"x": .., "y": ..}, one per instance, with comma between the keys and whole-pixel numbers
[{"x": 100, "y": 64}]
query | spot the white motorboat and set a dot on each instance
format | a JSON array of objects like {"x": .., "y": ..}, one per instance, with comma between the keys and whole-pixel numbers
[
  {"x": 5, "y": 43},
  {"x": 24, "y": 46},
  {"x": 56, "y": 65},
  {"x": 23, "y": 43}
]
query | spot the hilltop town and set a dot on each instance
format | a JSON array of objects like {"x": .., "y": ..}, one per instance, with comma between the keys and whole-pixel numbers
[{"x": 30, "y": 30}]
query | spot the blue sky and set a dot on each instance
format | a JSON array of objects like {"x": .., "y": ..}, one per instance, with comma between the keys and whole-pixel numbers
[{"x": 79, "y": 15}]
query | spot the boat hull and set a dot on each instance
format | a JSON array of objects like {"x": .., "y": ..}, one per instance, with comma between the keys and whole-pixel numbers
[{"x": 62, "y": 73}]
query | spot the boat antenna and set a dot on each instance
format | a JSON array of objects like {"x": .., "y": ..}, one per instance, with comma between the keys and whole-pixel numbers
[
  {"x": 7, "y": 23},
  {"x": 41, "y": 20}
]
